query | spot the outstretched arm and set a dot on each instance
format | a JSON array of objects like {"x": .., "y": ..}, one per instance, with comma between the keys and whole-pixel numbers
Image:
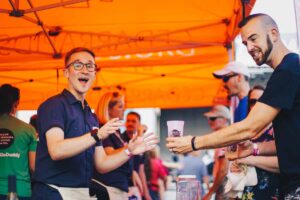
[
  {"x": 260, "y": 116},
  {"x": 268, "y": 163},
  {"x": 246, "y": 149},
  {"x": 137, "y": 145}
]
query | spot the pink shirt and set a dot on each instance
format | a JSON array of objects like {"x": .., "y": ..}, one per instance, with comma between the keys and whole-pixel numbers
[{"x": 157, "y": 171}]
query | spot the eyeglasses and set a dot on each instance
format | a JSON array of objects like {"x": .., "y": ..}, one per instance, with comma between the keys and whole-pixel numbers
[
  {"x": 91, "y": 67},
  {"x": 214, "y": 118},
  {"x": 252, "y": 102},
  {"x": 226, "y": 78}
]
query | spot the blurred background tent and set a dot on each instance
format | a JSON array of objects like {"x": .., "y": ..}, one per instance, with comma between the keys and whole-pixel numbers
[{"x": 160, "y": 53}]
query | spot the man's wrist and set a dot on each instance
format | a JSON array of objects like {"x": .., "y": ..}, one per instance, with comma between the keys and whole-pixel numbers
[
  {"x": 193, "y": 144},
  {"x": 99, "y": 134},
  {"x": 94, "y": 134},
  {"x": 255, "y": 151}
]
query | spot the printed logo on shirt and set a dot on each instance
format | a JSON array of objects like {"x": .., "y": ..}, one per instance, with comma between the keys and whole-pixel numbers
[
  {"x": 10, "y": 155},
  {"x": 6, "y": 138}
]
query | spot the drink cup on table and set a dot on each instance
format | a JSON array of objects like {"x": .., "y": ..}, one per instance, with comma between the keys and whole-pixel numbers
[{"x": 175, "y": 128}]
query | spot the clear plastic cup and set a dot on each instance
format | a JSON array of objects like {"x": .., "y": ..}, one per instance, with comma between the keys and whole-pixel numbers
[{"x": 175, "y": 128}]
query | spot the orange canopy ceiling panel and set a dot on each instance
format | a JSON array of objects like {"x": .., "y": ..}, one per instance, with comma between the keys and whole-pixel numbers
[{"x": 159, "y": 53}]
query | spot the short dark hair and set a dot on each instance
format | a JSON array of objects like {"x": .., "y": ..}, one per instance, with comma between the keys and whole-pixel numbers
[
  {"x": 76, "y": 50},
  {"x": 256, "y": 87},
  {"x": 136, "y": 114},
  {"x": 33, "y": 121},
  {"x": 249, "y": 18},
  {"x": 8, "y": 96}
]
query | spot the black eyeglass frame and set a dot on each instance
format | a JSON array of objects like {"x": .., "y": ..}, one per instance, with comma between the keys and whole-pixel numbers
[{"x": 82, "y": 65}]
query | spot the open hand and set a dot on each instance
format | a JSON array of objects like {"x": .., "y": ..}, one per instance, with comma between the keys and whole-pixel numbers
[
  {"x": 109, "y": 127},
  {"x": 140, "y": 144},
  {"x": 179, "y": 144}
]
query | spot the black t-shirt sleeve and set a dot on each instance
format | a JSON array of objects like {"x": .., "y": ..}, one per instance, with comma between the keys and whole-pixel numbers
[{"x": 281, "y": 89}]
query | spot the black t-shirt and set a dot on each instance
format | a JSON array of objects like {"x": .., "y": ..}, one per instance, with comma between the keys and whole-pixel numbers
[
  {"x": 119, "y": 177},
  {"x": 283, "y": 91}
]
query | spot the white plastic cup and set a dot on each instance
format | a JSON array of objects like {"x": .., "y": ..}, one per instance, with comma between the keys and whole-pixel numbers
[{"x": 175, "y": 128}]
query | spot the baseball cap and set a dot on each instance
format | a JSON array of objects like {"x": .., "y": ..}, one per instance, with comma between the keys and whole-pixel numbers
[
  {"x": 218, "y": 110},
  {"x": 235, "y": 67}
]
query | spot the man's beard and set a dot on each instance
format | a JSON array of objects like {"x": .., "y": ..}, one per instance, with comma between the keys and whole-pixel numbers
[{"x": 266, "y": 54}]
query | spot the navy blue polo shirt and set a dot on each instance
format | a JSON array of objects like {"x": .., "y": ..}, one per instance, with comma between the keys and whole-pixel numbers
[
  {"x": 119, "y": 177},
  {"x": 66, "y": 112}
]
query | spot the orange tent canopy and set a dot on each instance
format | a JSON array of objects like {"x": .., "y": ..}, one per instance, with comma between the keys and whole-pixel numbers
[{"x": 160, "y": 53}]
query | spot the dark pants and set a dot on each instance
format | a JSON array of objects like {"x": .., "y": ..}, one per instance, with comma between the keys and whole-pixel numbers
[
  {"x": 154, "y": 195},
  {"x": 98, "y": 190},
  {"x": 42, "y": 191}
]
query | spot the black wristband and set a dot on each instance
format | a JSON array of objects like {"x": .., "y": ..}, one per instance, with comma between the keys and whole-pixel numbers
[
  {"x": 94, "y": 134},
  {"x": 193, "y": 143}
]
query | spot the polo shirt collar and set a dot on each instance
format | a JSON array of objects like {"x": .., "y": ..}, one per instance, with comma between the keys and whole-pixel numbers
[{"x": 71, "y": 98}]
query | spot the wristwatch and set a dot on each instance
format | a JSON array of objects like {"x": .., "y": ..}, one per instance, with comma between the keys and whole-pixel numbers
[{"x": 94, "y": 134}]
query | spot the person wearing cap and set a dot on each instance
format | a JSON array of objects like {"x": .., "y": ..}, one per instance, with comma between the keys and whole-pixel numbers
[
  {"x": 235, "y": 76},
  {"x": 279, "y": 104},
  {"x": 218, "y": 117}
]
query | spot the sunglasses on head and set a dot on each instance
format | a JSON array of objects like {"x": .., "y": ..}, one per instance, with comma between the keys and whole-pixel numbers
[
  {"x": 252, "y": 101},
  {"x": 226, "y": 78},
  {"x": 214, "y": 118}
]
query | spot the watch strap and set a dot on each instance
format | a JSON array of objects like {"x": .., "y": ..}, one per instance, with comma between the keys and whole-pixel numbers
[{"x": 94, "y": 134}]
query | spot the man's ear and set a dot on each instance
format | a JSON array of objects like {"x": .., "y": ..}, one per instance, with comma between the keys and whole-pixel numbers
[
  {"x": 274, "y": 35},
  {"x": 15, "y": 107}
]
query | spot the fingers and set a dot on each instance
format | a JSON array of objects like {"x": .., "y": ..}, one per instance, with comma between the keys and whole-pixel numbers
[
  {"x": 150, "y": 147},
  {"x": 112, "y": 125},
  {"x": 170, "y": 139},
  {"x": 149, "y": 136},
  {"x": 171, "y": 142},
  {"x": 150, "y": 139},
  {"x": 115, "y": 122}
]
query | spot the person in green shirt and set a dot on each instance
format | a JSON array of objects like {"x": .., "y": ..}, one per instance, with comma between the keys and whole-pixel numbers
[{"x": 17, "y": 145}]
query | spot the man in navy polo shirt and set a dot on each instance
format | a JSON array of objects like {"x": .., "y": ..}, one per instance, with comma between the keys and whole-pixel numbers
[
  {"x": 279, "y": 104},
  {"x": 69, "y": 140}
]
